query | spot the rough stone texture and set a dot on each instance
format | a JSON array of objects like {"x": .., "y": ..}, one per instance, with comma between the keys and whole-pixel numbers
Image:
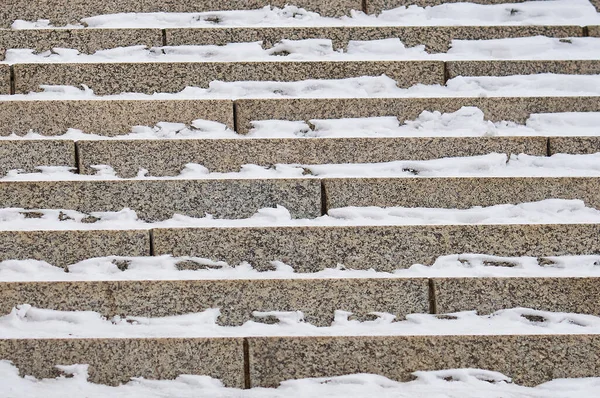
[
  {"x": 529, "y": 360},
  {"x": 4, "y": 80},
  {"x": 168, "y": 157},
  {"x": 308, "y": 249},
  {"x": 61, "y": 248},
  {"x": 495, "y": 108},
  {"x": 106, "y": 117},
  {"x": 115, "y": 361},
  {"x": 486, "y": 295},
  {"x": 145, "y": 77},
  {"x": 435, "y": 38},
  {"x": 574, "y": 145},
  {"x": 158, "y": 200},
  {"x": 462, "y": 192},
  {"x": 87, "y": 41},
  {"x": 594, "y": 30},
  {"x": 376, "y": 6},
  {"x": 27, "y": 155},
  {"x": 318, "y": 299},
  {"x": 62, "y": 12},
  {"x": 518, "y": 67},
  {"x": 384, "y": 248}
]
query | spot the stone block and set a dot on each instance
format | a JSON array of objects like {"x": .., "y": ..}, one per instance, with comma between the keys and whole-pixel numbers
[
  {"x": 515, "y": 109},
  {"x": 574, "y": 145},
  {"x": 106, "y": 117},
  {"x": 487, "y": 295},
  {"x": 435, "y": 38},
  {"x": 148, "y": 77},
  {"x": 61, "y": 248},
  {"x": 5, "y": 83},
  {"x": 27, "y": 155},
  {"x": 457, "y": 192},
  {"x": 521, "y": 67},
  {"x": 318, "y": 299},
  {"x": 594, "y": 31},
  {"x": 528, "y": 359},
  {"x": 116, "y": 360},
  {"x": 155, "y": 200},
  {"x": 169, "y": 157}
]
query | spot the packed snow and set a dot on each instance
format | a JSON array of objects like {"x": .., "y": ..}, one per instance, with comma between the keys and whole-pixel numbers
[{"x": 557, "y": 12}]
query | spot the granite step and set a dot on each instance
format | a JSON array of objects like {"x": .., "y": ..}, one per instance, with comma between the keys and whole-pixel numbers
[
  {"x": 155, "y": 200},
  {"x": 28, "y": 155},
  {"x": 106, "y": 117},
  {"x": 456, "y": 192},
  {"x": 163, "y": 157},
  {"x": 148, "y": 77},
  {"x": 574, "y": 145},
  {"x": 515, "y": 109},
  {"x": 521, "y": 67},
  {"x": 384, "y": 248},
  {"x": 376, "y": 6},
  {"x": 5, "y": 80},
  {"x": 237, "y": 299},
  {"x": 63, "y": 12}
]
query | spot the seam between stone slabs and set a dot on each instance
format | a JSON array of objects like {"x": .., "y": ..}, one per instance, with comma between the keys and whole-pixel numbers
[
  {"x": 246, "y": 349},
  {"x": 11, "y": 71}
]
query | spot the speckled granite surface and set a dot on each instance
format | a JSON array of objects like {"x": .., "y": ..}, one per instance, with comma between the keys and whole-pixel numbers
[
  {"x": 318, "y": 299},
  {"x": 435, "y": 39},
  {"x": 106, "y": 117},
  {"x": 575, "y": 145},
  {"x": 376, "y": 6},
  {"x": 62, "y": 248},
  {"x": 529, "y": 360},
  {"x": 463, "y": 192},
  {"x": 158, "y": 200},
  {"x": 486, "y": 295},
  {"x": 594, "y": 30},
  {"x": 384, "y": 248},
  {"x": 495, "y": 108},
  {"x": 62, "y": 12},
  {"x": 509, "y": 68},
  {"x": 4, "y": 79},
  {"x": 114, "y": 78},
  {"x": 115, "y": 361},
  {"x": 86, "y": 41},
  {"x": 27, "y": 155},
  {"x": 168, "y": 157}
]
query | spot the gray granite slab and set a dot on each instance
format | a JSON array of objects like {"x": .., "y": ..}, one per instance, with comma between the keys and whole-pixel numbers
[
  {"x": 168, "y": 157},
  {"x": 61, "y": 248},
  {"x": 318, "y": 299},
  {"x": 528, "y": 359},
  {"x": 486, "y": 295},
  {"x": 27, "y": 155},
  {"x": 594, "y": 30},
  {"x": 515, "y": 109},
  {"x": 106, "y": 117},
  {"x": 384, "y": 248},
  {"x": 308, "y": 249},
  {"x": 147, "y": 77},
  {"x": 87, "y": 41},
  {"x": 457, "y": 192},
  {"x": 376, "y": 6},
  {"x": 574, "y": 145},
  {"x": 518, "y": 67},
  {"x": 435, "y": 38},
  {"x": 4, "y": 79},
  {"x": 117, "y": 360},
  {"x": 62, "y": 12},
  {"x": 160, "y": 199}
]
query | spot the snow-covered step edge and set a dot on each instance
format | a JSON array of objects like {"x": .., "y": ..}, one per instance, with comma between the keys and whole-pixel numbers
[{"x": 266, "y": 361}]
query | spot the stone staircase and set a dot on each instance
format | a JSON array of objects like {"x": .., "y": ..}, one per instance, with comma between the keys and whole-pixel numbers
[{"x": 265, "y": 361}]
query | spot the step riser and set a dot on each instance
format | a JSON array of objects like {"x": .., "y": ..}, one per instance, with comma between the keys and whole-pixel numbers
[
  {"x": 318, "y": 299},
  {"x": 107, "y": 118},
  {"x": 160, "y": 200},
  {"x": 574, "y": 145},
  {"x": 382, "y": 248},
  {"x": 27, "y": 155},
  {"x": 509, "y": 68},
  {"x": 115, "y": 361},
  {"x": 515, "y": 109},
  {"x": 62, "y": 248},
  {"x": 456, "y": 192},
  {"x": 169, "y": 157},
  {"x": 529, "y": 360},
  {"x": 114, "y": 78},
  {"x": 5, "y": 80}
]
